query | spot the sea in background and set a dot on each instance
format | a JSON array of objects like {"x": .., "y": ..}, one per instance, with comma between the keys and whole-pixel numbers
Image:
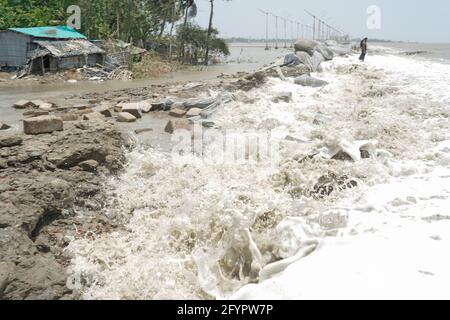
[{"x": 439, "y": 52}]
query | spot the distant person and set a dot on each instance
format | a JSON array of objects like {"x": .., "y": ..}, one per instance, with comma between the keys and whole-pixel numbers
[{"x": 363, "y": 46}]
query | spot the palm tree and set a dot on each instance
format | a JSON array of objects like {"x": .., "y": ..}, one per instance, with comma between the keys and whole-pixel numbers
[
  {"x": 209, "y": 31},
  {"x": 190, "y": 10},
  {"x": 210, "y": 28}
]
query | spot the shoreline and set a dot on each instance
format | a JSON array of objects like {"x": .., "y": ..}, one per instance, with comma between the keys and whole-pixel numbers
[{"x": 307, "y": 118}]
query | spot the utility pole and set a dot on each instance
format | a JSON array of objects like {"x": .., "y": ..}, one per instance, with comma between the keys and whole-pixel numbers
[
  {"x": 267, "y": 28},
  {"x": 324, "y": 30},
  {"x": 285, "y": 34},
  {"x": 314, "y": 24},
  {"x": 292, "y": 33},
  {"x": 276, "y": 31}
]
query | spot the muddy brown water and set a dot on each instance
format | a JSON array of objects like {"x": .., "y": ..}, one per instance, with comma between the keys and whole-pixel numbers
[{"x": 243, "y": 58}]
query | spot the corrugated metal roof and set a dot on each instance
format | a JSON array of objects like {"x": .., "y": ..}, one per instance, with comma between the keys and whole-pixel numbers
[
  {"x": 69, "y": 48},
  {"x": 58, "y": 32}
]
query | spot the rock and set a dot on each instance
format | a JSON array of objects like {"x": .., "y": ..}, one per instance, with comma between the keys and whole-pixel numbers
[
  {"x": 139, "y": 131},
  {"x": 282, "y": 97},
  {"x": 3, "y": 163},
  {"x": 10, "y": 140},
  {"x": 37, "y": 103},
  {"x": 4, "y": 126},
  {"x": 162, "y": 105},
  {"x": 307, "y": 46},
  {"x": 126, "y": 117},
  {"x": 308, "y": 81},
  {"x": 84, "y": 111},
  {"x": 330, "y": 182},
  {"x": 199, "y": 103},
  {"x": 159, "y": 106},
  {"x": 6, "y": 275},
  {"x": 181, "y": 124},
  {"x": 45, "y": 107},
  {"x": 70, "y": 116},
  {"x": 132, "y": 108},
  {"x": 146, "y": 106},
  {"x": 177, "y": 113},
  {"x": 94, "y": 116},
  {"x": 35, "y": 113},
  {"x": 208, "y": 124},
  {"x": 194, "y": 112},
  {"x": 23, "y": 104},
  {"x": 89, "y": 165},
  {"x": 104, "y": 110},
  {"x": 83, "y": 106},
  {"x": 42, "y": 124}
]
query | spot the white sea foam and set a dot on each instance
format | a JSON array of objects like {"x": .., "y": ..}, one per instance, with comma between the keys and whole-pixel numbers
[{"x": 205, "y": 231}]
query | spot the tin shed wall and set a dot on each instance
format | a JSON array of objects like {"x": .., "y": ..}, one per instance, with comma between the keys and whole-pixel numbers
[{"x": 13, "y": 49}]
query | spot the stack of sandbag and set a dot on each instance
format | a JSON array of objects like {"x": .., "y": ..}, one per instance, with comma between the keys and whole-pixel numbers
[{"x": 312, "y": 53}]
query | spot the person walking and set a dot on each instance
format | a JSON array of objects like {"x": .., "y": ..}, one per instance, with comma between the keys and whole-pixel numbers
[{"x": 363, "y": 46}]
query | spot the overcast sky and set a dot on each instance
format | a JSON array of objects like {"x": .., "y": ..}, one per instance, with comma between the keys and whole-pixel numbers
[{"x": 407, "y": 20}]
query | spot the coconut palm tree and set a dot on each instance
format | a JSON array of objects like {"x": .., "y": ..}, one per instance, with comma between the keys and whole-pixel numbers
[{"x": 210, "y": 28}]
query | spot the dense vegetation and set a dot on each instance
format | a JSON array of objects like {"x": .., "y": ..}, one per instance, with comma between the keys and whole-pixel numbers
[{"x": 162, "y": 25}]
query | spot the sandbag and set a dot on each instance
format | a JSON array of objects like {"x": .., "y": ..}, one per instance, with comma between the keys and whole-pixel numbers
[
  {"x": 317, "y": 60},
  {"x": 325, "y": 52},
  {"x": 308, "y": 81},
  {"x": 305, "y": 59},
  {"x": 306, "y": 46},
  {"x": 291, "y": 60}
]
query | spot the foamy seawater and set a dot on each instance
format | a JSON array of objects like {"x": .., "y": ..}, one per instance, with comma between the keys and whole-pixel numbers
[{"x": 307, "y": 227}]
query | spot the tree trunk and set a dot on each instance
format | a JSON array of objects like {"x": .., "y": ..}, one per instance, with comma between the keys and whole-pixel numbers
[
  {"x": 186, "y": 13},
  {"x": 209, "y": 32},
  {"x": 163, "y": 26}
]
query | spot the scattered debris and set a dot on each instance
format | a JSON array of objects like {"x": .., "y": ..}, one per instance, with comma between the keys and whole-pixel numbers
[
  {"x": 89, "y": 165},
  {"x": 42, "y": 124},
  {"x": 177, "y": 113},
  {"x": 126, "y": 117},
  {"x": 4, "y": 126},
  {"x": 308, "y": 81},
  {"x": 132, "y": 108},
  {"x": 180, "y": 124},
  {"x": 139, "y": 131},
  {"x": 194, "y": 112},
  {"x": 10, "y": 140},
  {"x": 23, "y": 104},
  {"x": 282, "y": 97}
]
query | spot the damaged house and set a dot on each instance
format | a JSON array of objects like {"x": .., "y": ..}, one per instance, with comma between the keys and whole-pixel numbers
[{"x": 44, "y": 49}]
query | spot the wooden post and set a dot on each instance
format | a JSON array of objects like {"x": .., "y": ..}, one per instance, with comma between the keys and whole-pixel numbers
[{"x": 42, "y": 66}]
